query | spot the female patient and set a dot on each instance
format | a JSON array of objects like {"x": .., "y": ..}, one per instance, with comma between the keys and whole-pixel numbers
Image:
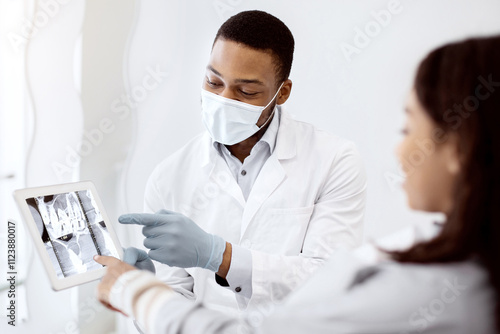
[{"x": 446, "y": 284}]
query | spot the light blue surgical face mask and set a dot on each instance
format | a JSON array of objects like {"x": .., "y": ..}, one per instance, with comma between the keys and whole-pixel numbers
[{"x": 229, "y": 121}]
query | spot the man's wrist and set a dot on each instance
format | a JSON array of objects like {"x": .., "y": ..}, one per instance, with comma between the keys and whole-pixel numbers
[{"x": 226, "y": 261}]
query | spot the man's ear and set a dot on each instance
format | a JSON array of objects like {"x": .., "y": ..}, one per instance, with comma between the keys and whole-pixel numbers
[{"x": 285, "y": 91}]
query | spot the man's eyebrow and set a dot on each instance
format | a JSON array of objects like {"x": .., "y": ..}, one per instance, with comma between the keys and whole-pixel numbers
[
  {"x": 209, "y": 67},
  {"x": 247, "y": 81}
]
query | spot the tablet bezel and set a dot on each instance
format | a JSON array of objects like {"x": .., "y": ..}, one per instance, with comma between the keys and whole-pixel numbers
[{"x": 57, "y": 283}]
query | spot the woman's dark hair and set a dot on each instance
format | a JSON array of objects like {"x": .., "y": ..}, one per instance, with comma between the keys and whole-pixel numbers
[{"x": 459, "y": 87}]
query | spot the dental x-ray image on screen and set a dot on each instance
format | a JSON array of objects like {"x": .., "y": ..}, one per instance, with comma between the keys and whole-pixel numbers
[{"x": 73, "y": 231}]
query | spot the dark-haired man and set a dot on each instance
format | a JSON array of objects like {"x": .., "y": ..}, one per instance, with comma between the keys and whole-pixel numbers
[{"x": 260, "y": 199}]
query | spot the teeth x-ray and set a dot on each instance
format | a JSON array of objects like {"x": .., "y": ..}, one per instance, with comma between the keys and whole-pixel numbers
[{"x": 73, "y": 231}]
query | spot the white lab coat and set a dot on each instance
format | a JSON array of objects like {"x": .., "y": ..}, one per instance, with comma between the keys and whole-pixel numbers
[{"x": 308, "y": 200}]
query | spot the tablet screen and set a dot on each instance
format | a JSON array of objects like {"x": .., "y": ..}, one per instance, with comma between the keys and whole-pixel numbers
[{"x": 72, "y": 230}]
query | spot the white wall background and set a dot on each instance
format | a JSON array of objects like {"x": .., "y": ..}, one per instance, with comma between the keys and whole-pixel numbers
[
  {"x": 361, "y": 99},
  {"x": 74, "y": 63}
]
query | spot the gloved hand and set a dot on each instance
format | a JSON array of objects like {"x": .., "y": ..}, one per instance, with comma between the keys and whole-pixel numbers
[
  {"x": 138, "y": 258},
  {"x": 176, "y": 240}
]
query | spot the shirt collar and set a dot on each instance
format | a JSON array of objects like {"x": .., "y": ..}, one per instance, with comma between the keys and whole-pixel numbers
[
  {"x": 271, "y": 133},
  {"x": 269, "y": 136}
]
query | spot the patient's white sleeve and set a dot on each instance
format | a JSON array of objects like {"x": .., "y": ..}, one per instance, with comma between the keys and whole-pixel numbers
[{"x": 140, "y": 294}]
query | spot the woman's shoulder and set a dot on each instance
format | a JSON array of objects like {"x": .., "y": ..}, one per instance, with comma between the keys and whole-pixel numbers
[
  {"x": 471, "y": 272},
  {"x": 440, "y": 295},
  {"x": 351, "y": 295}
]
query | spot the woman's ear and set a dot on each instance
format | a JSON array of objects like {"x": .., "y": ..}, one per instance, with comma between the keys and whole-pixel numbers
[{"x": 452, "y": 154}]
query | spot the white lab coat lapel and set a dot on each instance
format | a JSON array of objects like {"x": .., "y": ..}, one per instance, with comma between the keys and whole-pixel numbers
[
  {"x": 270, "y": 177},
  {"x": 272, "y": 173},
  {"x": 215, "y": 165}
]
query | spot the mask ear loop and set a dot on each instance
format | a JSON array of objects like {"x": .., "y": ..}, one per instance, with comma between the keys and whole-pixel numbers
[{"x": 271, "y": 116}]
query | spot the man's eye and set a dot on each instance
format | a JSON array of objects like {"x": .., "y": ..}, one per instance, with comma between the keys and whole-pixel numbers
[
  {"x": 212, "y": 84},
  {"x": 247, "y": 93},
  {"x": 404, "y": 132}
]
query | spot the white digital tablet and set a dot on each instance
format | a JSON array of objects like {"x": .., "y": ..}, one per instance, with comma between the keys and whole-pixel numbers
[{"x": 69, "y": 226}]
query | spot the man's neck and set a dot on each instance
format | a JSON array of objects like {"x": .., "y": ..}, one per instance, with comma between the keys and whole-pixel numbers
[{"x": 242, "y": 149}]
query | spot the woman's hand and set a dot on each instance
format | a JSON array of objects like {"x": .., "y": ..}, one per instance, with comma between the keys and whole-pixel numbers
[{"x": 115, "y": 268}]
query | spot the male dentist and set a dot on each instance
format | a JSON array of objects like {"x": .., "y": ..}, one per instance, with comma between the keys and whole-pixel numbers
[{"x": 260, "y": 200}]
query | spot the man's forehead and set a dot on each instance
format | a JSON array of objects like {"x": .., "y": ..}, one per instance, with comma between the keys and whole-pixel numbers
[{"x": 236, "y": 61}]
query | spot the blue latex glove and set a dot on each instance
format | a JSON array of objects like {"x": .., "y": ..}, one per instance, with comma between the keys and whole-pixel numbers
[
  {"x": 177, "y": 241},
  {"x": 138, "y": 258}
]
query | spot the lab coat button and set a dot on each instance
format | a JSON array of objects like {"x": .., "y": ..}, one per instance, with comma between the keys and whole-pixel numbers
[
  {"x": 243, "y": 172},
  {"x": 238, "y": 289}
]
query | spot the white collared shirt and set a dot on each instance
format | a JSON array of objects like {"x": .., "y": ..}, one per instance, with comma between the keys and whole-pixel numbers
[
  {"x": 247, "y": 172},
  {"x": 239, "y": 275}
]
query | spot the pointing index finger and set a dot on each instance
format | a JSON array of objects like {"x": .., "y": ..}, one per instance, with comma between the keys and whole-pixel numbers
[
  {"x": 105, "y": 260},
  {"x": 145, "y": 219}
]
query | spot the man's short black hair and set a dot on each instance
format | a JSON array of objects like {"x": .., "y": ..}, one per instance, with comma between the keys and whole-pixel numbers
[{"x": 261, "y": 31}]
